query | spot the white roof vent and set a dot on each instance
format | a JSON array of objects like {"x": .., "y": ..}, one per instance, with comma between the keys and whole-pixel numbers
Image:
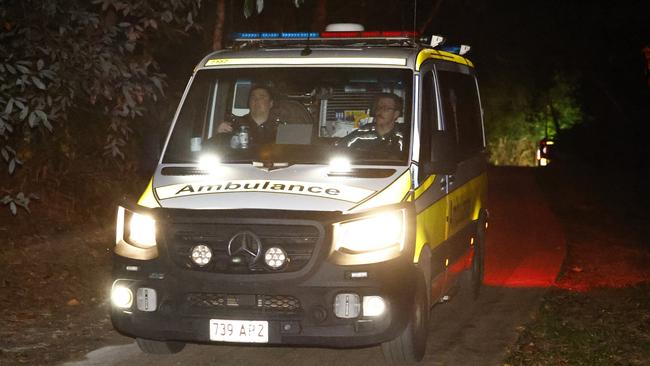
[
  {"x": 344, "y": 27},
  {"x": 464, "y": 49},
  {"x": 436, "y": 40}
]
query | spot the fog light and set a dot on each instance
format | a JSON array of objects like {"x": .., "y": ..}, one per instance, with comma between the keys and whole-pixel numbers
[
  {"x": 373, "y": 305},
  {"x": 347, "y": 306},
  {"x": 146, "y": 299},
  {"x": 275, "y": 257},
  {"x": 121, "y": 296},
  {"x": 201, "y": 255}
]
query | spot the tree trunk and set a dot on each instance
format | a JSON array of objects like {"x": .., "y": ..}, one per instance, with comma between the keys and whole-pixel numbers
[
  {"x": 217, "y": 34},
  {"x": 432, "y": 15},
  {"x": 554, "y": 116},
  {"x": 320, "y": 16}
]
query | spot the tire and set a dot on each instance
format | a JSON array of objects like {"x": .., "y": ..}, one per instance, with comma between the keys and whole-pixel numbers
[
  {"x": 473, "y": 278},
  {"x": 409, "y": 347},
  {"x": 159, "y": 347}
]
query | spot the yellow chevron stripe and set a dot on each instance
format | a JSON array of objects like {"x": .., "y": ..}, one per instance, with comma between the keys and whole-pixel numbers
[
  {"x": 394, "y": 193},
  {"x": 441, "y": 55},
  {"x": 147, "y": 199}
]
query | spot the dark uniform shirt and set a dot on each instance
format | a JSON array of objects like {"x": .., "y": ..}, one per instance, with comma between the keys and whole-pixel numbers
[
  {"x": 257, "y": 134},
  {"x": 367, "y": 138}
]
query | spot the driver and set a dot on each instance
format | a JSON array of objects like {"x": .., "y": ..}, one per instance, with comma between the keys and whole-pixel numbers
[
  {"x": 383, "y": 133},
  {"x": 261, "y": 128}
]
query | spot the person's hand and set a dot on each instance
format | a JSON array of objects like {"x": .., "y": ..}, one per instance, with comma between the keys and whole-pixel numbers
[{"x": 224, "y": 127}]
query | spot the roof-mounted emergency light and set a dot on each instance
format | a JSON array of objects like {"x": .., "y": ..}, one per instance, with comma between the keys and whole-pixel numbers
[
  {"x": 272, "y": 35},
  {"x": 286, "y": 36},
  {"x": 344, "y": 27},
  {"x": 459, "y": 50},
  {"x": 370, "y": 34}
]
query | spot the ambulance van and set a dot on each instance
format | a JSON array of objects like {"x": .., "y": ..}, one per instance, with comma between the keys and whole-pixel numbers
[{"x": 323, "y": 189}]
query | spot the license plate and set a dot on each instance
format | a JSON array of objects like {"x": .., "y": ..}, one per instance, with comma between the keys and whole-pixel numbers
[{"x": 244, "y": 331}]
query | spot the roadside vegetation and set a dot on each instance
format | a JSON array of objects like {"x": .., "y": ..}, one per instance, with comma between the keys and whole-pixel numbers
[
  {"x": 519, "y": 115},
  {"x": 599, "y": 311},
  {"x": 604, "y": 326}
]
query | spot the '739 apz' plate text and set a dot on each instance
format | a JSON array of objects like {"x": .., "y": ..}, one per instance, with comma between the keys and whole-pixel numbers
[{"x": 244, "y": 331}]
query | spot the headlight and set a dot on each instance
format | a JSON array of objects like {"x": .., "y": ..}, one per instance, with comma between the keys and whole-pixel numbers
[
  {"x": 371, "y": 233},
  {"x": 135, "y": 235},
  {"x": 142, "y": 230}
]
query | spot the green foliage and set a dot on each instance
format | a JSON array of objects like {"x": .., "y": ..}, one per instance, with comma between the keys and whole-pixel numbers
[
  {"x": 19, "y": 201},
  {"x": 557, "y": 108},
  {"x": 96, "y": 56},
  {"x": 519, "y": 115},
  {"x": 601, "y": 327},
  {"x": 257, "y": 6}
]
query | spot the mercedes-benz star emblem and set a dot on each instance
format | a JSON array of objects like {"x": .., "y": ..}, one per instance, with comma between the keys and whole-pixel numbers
[{"x": 245, "y": 244}]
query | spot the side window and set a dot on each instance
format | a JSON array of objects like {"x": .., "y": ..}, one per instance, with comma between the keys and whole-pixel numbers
[
  {"x": 461, "y": 110},
  {"x": 193, "y": 117},
  {"x": 429, "y": 121}
]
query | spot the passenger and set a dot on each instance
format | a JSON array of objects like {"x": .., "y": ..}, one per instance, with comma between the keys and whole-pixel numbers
[
  {"x": 261, "y": 128},
  {"x": 383, "y": 133}
]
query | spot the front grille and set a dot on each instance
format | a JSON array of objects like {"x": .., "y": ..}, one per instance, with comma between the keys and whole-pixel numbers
[
  {"x": 265, "y": 303},
  {"x": 298, "y": 241}
]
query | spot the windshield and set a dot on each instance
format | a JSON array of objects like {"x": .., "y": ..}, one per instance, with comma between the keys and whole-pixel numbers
[{"x": 295, "y": 116}]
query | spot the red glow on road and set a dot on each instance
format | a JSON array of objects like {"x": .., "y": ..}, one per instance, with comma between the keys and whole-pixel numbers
[
  {"x": 603, "y": 263},
  {"x": 461, "y": 264},
  {"x": 526, "y": 245}
]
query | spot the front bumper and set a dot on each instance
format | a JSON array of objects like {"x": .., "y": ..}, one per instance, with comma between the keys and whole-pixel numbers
[
  {"x": 313, "y": 322},
  {"x": 298, "y": 305}
]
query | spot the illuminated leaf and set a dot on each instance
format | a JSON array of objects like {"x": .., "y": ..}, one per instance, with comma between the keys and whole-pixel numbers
[
  {"x": 22, "y": 68},
  {"x": 32, "y": 120},
  {"x": 248, "y": 8},
  {"x": 42, "y": 115},
  {"x": 47, "y": 125},
  {"x": 12, "y": 166},
  {"x": 156, "y": 81},
  {"x": 10, "y": 106},
  {"x": 23, "y": 114},
  {"x": 39, "y": 84}
]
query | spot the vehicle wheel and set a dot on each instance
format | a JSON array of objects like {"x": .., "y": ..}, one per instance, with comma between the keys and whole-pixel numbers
[
  {"x": 159, "y": 347},
  {"x": 473, "y": 281},
  {"x": 478, "y": 267},
  {"x": 409, "y": 347}
]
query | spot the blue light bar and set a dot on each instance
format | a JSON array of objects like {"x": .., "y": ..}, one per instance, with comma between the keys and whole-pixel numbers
[
  {"x": 300, "y": 35},
  {"x": 272, "y": 35},
  {"x": 246, "y": 35},
  {"x": 459, "y": 50},
  {"x": 450, "y": 49}
]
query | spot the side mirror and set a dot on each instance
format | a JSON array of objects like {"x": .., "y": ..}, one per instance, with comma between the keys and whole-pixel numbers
[{"x": 444, "y": 154}]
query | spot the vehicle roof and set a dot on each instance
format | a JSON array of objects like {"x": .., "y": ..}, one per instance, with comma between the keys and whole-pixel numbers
[{"x": 332, "y": 55}]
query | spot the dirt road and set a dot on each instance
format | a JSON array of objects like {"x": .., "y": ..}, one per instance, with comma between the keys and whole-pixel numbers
[
  {"x": 525, "y": 250},
  {"x": 474, "y": 335}
]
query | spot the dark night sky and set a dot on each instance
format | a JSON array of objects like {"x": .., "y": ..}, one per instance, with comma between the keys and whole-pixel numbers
[
  {"x": 602, "y": 38},
  {"x": 598, "y": 41}
]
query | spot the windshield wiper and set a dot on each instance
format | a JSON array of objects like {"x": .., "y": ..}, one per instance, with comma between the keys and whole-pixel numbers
[
  {"x": 367, "y": 161},
  {"x": 270, "y": 165}
]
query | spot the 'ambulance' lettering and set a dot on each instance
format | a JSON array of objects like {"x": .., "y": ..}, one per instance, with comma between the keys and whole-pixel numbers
[{"x": 335, "y": 191}]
